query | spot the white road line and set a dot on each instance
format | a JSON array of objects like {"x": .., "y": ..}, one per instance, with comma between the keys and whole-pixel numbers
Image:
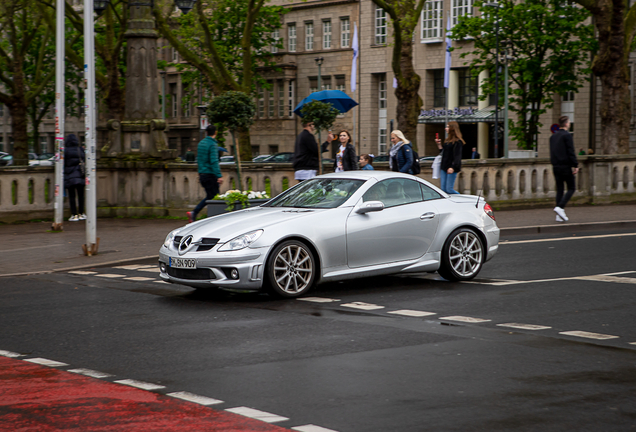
[
  {"x": 154, "y": 269},
  {"x": 412, "y": 313},
  {"x": 312, "y": 428},
  {"x": 256, "y": 414},
  {"x": 82, "y": 272},
  {"x": 191, "y": 397},
  {"x": 139, "y": 278},
  {"x": 318, "y": 299},
  {"x": 163, "y": 282},
  {"x": 46, "y": 362},
  {"x": 129, "y": 267},
  {"x": 589, "y": 335},
  {"x": 110, "y": 275},
  {"x": 632, "y": 343},
  {"x": 90, "y": 373},
  {"x": 503, "y": 243},
  {"x": 10, "y": 354},
  {"x": 464, "y": 319},
  {"x": 604, "y": 278},
  {"x": 140, "y": 384},
  {"x": 362, "y": 305},
  {"x": 524, "y": 326}
]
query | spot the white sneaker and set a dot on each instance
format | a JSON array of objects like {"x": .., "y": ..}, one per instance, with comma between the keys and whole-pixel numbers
[
  {"x": 559, "y": 219},
  {"x": 74, "y": 218},
  {"x": 82, "y": 216},
  {"x": 559, "y": 211}
]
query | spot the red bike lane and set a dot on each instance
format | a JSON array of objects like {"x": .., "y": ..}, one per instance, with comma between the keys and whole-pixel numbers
[{"x": 43, "y": 399}]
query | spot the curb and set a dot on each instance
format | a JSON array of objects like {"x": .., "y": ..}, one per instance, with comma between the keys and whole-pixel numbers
[
  {"x": 566, "y": 228},
  {"x": 85, "y": 266}
]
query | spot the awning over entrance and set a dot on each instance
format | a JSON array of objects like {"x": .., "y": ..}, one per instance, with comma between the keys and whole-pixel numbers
[{"x": 468, "y": 115}]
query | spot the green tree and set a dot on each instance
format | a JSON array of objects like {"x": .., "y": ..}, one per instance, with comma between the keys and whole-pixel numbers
[
  {"x": 24, "y": 71},
  {"x": 615, "y": 23},
  {"x": 549, "y": 46},
  {"x": 224, "y": 41},
  {"x": 405, "y": 15},
  {"x": 235, "y": 111}
]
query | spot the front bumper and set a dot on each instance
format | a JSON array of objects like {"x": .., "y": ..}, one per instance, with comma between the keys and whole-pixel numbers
[{"x": 241, "y": 270}]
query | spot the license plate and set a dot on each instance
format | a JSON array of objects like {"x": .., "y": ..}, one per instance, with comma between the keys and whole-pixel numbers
[{"x": 183, "y": 263}]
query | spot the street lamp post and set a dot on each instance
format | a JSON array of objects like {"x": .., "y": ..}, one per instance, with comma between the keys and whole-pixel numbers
[
  {"x": 496, "y": 6},
  {"x": 506, "y": 61}
]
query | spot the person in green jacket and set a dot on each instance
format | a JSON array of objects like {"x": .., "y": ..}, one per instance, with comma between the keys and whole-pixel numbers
[{"x": 210, "y": 175}]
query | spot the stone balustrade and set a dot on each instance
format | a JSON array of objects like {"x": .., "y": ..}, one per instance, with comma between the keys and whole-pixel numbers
[{"x": 161, "y": 189}]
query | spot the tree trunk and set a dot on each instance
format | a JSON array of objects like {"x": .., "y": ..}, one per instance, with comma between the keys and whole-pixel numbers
[
  {"x": 245, "y": 145},
  {"x": 409, "y": 101},
  {"x": 19, "y": 123}
]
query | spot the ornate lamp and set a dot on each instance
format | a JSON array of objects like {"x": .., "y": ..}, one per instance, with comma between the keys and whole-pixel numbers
[
  {"x": 100, "y": 6},
  {"x": 185, "y": 5}
]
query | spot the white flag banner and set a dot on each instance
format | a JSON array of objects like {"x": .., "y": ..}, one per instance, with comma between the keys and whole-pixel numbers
[
  {"x": 447, "y": 65},
  {"x": 354, "y": 63}
]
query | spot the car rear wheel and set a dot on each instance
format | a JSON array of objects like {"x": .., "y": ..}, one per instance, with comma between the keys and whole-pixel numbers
[
  {"x": 291, "y": 269},
  {"x": 462, "y": 255}
]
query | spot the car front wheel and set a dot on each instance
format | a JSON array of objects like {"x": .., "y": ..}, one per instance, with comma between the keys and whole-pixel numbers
[
  {"x": 291, "y": 269},
  {"x": 462, "y": 255}
]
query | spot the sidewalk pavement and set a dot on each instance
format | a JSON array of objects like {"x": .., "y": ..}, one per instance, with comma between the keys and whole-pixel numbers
[{"x": 32, "y": 248}]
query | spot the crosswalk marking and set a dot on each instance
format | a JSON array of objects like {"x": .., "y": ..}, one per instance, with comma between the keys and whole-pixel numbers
[
  {"x": 256, "y": 414},
  {"x": 110, "y": 275},
  {"x": 46, "y": 362},
  {"x": 140, "y": 384},
  {"x": 318, "y": 299},
  {"x": 82, "y": 272},
  {"x": 191, "y": 397},
  {"x": 362, "y": 305},
  {"x": 524, "y": 326},
  {"x": 589, "y": 335},
  {"x": 10, "y": 354},
  {"x": 464, "y": 319},
  {"x": 139, "y": 278},
  {"x": 412, "y": 313},
  {"x": 312, "y": 428},
  {"x": 90, "y": 373}
]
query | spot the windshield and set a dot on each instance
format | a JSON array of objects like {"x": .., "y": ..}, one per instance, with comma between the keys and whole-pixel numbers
[{"x": 317, "y": 193}]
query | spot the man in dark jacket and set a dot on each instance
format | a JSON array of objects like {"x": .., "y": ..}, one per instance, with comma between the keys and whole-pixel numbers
[
  {"x": 210, "y": 175},
  {"x": 306, "y": 153},
  {"x": 564, "y": 166},
  {"x": 74, "y": 176}
]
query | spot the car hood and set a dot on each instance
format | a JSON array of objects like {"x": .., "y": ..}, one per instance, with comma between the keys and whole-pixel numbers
[{"x": 229, "y": 225}]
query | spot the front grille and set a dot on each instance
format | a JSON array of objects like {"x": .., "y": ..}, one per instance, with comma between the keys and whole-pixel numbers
[
  {"x": 206, "y": 243},
  {"x": 191, "y": 274}
]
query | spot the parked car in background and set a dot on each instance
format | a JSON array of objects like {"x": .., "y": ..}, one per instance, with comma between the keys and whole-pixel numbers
[
  {"x": 279, "y": 158},
  {"x": 381, "y": 158},
  {"x": 260, "y": 158},
  {"x": 7, "y": 159},
  {"x": 45, "y": 159},
  {"x": 335, "y": 227},
  {"x": 226, "y": 160}
]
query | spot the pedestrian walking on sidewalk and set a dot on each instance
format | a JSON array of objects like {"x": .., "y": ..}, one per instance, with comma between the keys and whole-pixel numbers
[
  {"x": 306, "y": 157},
  {"x": 401, "y": 157},
  {"x": 210, "y": 175},
  {"x": 451, "y": 164},
  {"x": 75, "y": 176},
  {"x": 564, "y": 166}
]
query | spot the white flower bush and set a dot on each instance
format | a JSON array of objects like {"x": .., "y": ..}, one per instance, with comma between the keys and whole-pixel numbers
[{"x": 234, "y": 196}]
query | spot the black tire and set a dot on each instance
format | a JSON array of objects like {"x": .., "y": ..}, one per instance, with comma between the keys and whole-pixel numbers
[
  {"x": 462, "y": 256},
  {"x": 291, "y": 269}
]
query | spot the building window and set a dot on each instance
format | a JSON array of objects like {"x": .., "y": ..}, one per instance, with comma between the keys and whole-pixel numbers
[
  {"x": 380, "y": 26},
  {"x": 291, "y": 38},
  {"x": 345, "y": 32},
  {"x": 276, "y": 37},
  {"x": 460, "y": 8},
  {"x": 174, "y": 55},
  {"x": 439, "y": 91},
  {"x": 174, "y": 108},
  {"x": 432, "y": 20},
  {"x": 290, "y": 97},
  {"x": 382, "y": 141},
  {"x": 340, "y": 82},
  {"x": 270, "y": 99},
  {"x": 281, "y": 98},
  {"x": 313, "y": 84},
  {"x": 1, "y": 110},
  {"x": 309, "y": 36},
  {"x": 326, "y": 34},
  {"x": 568, "y": 97},
  {"x": 2, "y": 144},
  {"x": 186, "y": 103},
  {"x": 382, "y": 92},
  {"x": 261, "y": 102},
  {"x": 468, "y": 88}
]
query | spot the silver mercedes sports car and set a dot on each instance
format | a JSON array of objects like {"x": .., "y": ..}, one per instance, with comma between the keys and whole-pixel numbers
[{"x": 335, "y": 227}]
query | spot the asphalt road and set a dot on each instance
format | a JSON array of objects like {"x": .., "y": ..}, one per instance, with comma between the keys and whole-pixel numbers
[{"x": 497, "y": 354}]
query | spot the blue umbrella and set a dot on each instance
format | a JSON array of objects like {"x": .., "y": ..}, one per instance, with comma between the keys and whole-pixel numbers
[{"x": 338, "y": 99}]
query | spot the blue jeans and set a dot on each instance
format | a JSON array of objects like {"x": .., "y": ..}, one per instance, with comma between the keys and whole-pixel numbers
[
  {"x": 211, "y": 185},
  {"x": 448, "y": 181}
]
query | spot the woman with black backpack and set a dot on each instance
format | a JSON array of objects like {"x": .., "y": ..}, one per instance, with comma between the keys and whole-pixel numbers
[
  {"x": 74, "y": 176},
  {"x": 401, "y": 154}
]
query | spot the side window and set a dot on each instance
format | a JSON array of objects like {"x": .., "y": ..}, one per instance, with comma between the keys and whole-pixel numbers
[
  {"x": 428, "y": 193},
  {"x": 394, "y": 192}
]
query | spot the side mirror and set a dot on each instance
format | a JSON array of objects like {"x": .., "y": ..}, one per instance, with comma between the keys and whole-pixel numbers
[{"x": 370, "y": 206}]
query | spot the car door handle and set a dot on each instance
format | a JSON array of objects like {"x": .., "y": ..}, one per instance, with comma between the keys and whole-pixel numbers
[{"x": 429, "y": 215}]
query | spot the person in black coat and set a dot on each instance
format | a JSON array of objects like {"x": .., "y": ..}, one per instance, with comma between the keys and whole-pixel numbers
[
  {"x": 564, "y": 166},
  {"x": 346, "y": 159},
  {"x": 305, "y": 160},
  {"x": 451, "y": 157},
  {"x": 74, "y": 177}
]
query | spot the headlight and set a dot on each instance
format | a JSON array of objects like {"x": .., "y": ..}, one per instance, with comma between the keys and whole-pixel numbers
[
  {"x": 169, "y": 238},
  {"x": 241, "y": 242}
]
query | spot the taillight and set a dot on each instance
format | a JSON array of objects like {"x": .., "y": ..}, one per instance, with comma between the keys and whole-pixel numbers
[{"x": 489, "y": 211}]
